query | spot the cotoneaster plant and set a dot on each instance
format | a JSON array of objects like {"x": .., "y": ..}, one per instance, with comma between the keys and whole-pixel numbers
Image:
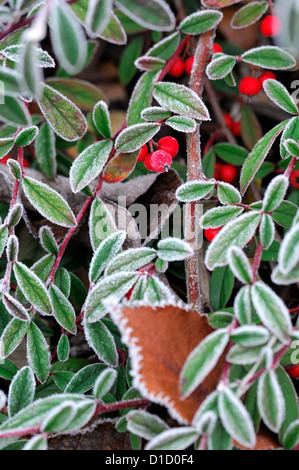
[{"x": 220, "y": 355}]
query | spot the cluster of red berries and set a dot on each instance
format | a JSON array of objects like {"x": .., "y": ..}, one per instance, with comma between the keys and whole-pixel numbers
[
  {"x": 251, "y": 86},
  {"x": 179, "y": 67},
  {"x": 294, "y": 179},
  {"x": 160, "y": 160},
  {"x": 226, "y": 173},
  {"x": 234, "y": 126},
  {"x": 271, "y": 26},
  {"x": 4, "y": 160}
]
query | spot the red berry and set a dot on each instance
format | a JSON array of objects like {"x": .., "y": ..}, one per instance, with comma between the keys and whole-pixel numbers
[
  {"x": 228, "y": 120},
  {"x": 293, "y": 372},
  {"x": 237, "y": 131},
  {"x": 271, "y": 26},
  {"x": 147, "y": 162},
  {"x": 26, "y": 163},
  {"x": 294, "y": 179},
  {"x": 143, "y": 153},
  {"x": 170, "y": 145},
  {"x": 211, "y": 233},
  {"x": 189, "y": 64},
  {"x": 178, "y": 68},
  {"x": 228, "y": 173},
  {"x": 217, "y": 171},
  {"x": 265, "y": 76},
  {"x": 249, "y": 86},
  {"x": 160, "y": 161},
  {"x": 217, "y": 48},
  {"x": 4, "y": 159}
]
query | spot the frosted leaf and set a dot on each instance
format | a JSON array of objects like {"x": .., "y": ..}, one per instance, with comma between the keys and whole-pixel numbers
[
  {"x": 272, "y": 311},
  {"x": 63, "y": 310},
  {"x": 114, "y": 32},
  {"x": 139, "y": 289},
  {"x": 269, "y": 57},
  {"x": 181, "y": 100},
  {"x": 201, "y": 21},
  {"x": 267, "y": 231},
  {"x": 12, "y": 80},
  {"x": 21, "y": 391},
  {"x": 15, "y": 52},
  {"x": 239, "y": 264},
  {"x": 104, "y": 383},
  {"x": 131, "y": 260},
  {"x": 145, "y": 63},
  {"x": 12, "y": 336},
  {"x": 12, "y": 249},
  {"x": 249, "y": 14},
  {"x": 26, "y": 136},
  {"x": 161, "y": 265},
  {"x": 173, "y": 439},
  {"x": 98, "y": 15},
  {"x": 155, "y": 113},
  {"x": 38, "y": 442},
  {"x": 6, "y": 144},
  {"x": 288, "y": 256},
  {"x": 166, "y": 47},
  {"x": 219, "y": 216},
  {"x": 101, "y": 340},
  {"x": 45, "y": 150},
  {"x": 47, "y": 240},
  {"x": 134, "y": 137},
  {"x": 3, "y": 238},
  {"x": 174, "y": 249},
  {"x": 89, "y": 164},
  {"x": 275, "y": 193},
  {"x": 116, "y": 286},
  {"x": 278, "y": 93},
  {"x": 38, "y": 354},
  {"x": 101, "y": 119},
  {"x": 242, "y": 306},
  {"x": 194, "y": 190},
  {"x": 107, "y": 249},
  {"x": 156, "y": 291},
  {"x": 270, "y": 400},
  {"x": 153, "y": 14},
  {"x": 101, "y": 223},
  {"x": 237, "y": 232},
  {"x": 15, "y": 308},
  {"x": 63, "y": 348},
  {"x": 291, "y": 131},
  {"x": 220, "y": 67},
  {"x": 182, "y": 124},
  {"x": 59, "y": 418},
  {"x": 278, "y": 277},
  {"x": 291, "y": 147},
  {"x": 144, "y": 424},
  {"x": 228, "y": 194},
  {"x": 15, "y": 214},
  {"x": 63, "y": 281},
  {"x": 33, "y": 288}
]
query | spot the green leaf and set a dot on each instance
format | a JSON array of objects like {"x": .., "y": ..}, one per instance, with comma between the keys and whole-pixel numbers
[
  {"x": 12, "y": 336},
  {"x": 251, "y": 129},
  {"x": 290, "y": 398},
  {"x": 154, "y": 14},
  {"x": 21, "y": 391},
  {"x": 131, "y": 53},
  {"x": 220, "y": 319},
  {"x": 275, "y": 193},
  {"x": 194, "y": 190},
  {"x": 107, "y": 249},
  {"x": 68, "y": 39},
  {"x": 98, "y": 15},
  {"x": 33, "y": 288},
  {"x": 7, "y": 368},
  {"x": 291, "y": 131},
  {"x": 65, "y": 118},
  {"x": 28, "y": 67},
  {"x": 219, "y": 3},
  {"x": 85, "y": 379},
  {"x": 155, "y": 113},
  {"x": 202, "y": 360},
  {"x": 59, "y": 418},
  {"x": 38, "y": 442},
  {"x": 237, "y": 232},
  {"x": 173, "y": 439},
  {"x": 145, "y": 63},
  {"x": 114, "y": 31},
  {"x": 63, "y": 348},
  {"x": 101, "y": 119},
  {"x": 291, "y": 147},
  {"x": 270, "y": 400},
  {"x": 89, "y": 164},
  {"x": 15, "y": 53},
  {"x": 120, "y": 167},
  {"x": 26, "y": 136},
  {"x": 258, "y": 155},
  {"x": 235, "y": 418},
  {"x": 14, "y": 111},
  {"x": 141, "y": 97},
  {"x": 250, "y": 336},
  {"x": 291, "y": 436},
  {"x": 131, "y": 260},
  {"x": 63, "y": 310},
  {"x": 165, "y": 48},
  {"x": 101, "y": 223},
  {"x": 219, "y": 216},
  {"x": 200, "y": 22},
  {"x": 285, "y": 213},
  {"x": 102, "y": 342},
  {"x": 5, "y": 146},
  {"x": 48, "y": 202},
  {"x": 278, "y": 93},
  {"x": 104, "y": 383},
  {"x": 134, "y": 137},
  {"x": 174, "y": 249},
  {"x": 220, "y": 67},
  {"x": 15, "y": 308},
  {"x": 221, "y": 286},
  {"x": 180, "y": 100},
  {"x": 219, "y": 439},
  {"x": 78, "y": 291},
  {"x": 267, "y": 231},
  {"x": 228, "y": 194},
  {"x": 208, "y": 164},
  {"x": 233, "y": 154},
  {"x": 116, "y": 285},
  {"x": 269, "y": 57},
  {"x": 182, "y": 124},
  {"x": 249, "y": 14},
  {"x": 11, "y": 80},
  {"x": 288, "y": 256},
  {"x": 48, "y": 240},
  {"x": 144, "y": 424},
  {"x": 272, "y": 311},
  {"x": 3, "y": 238},
  {"x": 38, "y": 353},
  {"x": 46, "y": 151},
  {"x": 240, "y": 265}
]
